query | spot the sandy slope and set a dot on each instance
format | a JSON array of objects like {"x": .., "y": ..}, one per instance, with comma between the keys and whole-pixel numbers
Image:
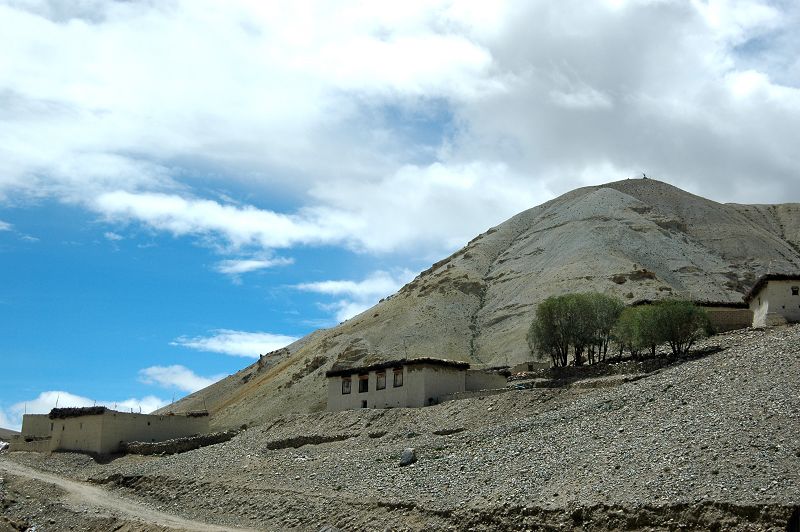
[{"x": 711, "y": 443}]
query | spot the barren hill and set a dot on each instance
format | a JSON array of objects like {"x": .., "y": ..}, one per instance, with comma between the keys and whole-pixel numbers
[
  {"x": 5, "y": 434},
  {"x": 709, "y": 443},
  {"x": 637, "y": 239}
]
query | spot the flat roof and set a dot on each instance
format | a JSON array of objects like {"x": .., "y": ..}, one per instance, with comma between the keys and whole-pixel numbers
[
  {"x": 764, "y": 279},
  {"x": 64, "y": 413},
  {"x": 455, "y": 364},
  {"x": 728, "y": 304}
]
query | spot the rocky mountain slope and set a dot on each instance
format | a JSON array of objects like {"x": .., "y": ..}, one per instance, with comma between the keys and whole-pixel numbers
[
  {"x": 637, "y": 239},
  {"x": 6, "y": 434},
  {"x": 709, "y": 443}
]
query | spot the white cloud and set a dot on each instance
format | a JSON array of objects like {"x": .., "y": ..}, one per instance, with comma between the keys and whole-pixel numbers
[
  {"x": 240, "y": 226},
  {"x": 531, "y": 97},
  {"x": 236, "y": 343},
  {"x": 5, "y": 422},
  {"x": 376, "y": 216},
  {"x": 114, "y": 237},
  {"x": 428, "y": 209},
  {"x": 585, "y": 98},
  {"x": 46, "y": 401},
  {"x": 239, "y": 266},
  {"x": 78, "y": 95},
  {"x": 5, "y": 226},
  {"x": 176, "y": 376},
  {"x": 361, "y": 295}
]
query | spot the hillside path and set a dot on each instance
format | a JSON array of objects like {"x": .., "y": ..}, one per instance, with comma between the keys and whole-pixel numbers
[{"x": 79, "y": 492}]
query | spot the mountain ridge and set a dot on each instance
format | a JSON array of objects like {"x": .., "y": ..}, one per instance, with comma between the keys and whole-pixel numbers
[{"x": 635, "y": 239}]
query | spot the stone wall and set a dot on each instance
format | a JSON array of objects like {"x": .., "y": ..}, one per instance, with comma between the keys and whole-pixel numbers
[
  {"x": 177, "y": 445},
  {"x": 484, "y": 380},
  {"x": 728, "y": 319}
]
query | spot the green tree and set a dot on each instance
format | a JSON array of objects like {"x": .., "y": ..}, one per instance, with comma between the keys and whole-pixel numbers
[
  {"x": 648, "y": 328},
  {"x": 576, "y": 323},
  {"x": 637, "y": 330},
  {"x": 548, "y": 332},
  {"x": 626, "y": 332},
  {"x": 677, "y": 323},
  {"x": 605, "y": 311},
  {"x": 681, "y": 324}
]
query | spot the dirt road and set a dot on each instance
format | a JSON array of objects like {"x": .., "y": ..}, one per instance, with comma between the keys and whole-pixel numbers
[{"x": 80, "y": 493}]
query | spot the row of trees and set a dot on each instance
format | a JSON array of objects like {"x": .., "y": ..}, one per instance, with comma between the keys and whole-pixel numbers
[{"x": 585, "y": 325}]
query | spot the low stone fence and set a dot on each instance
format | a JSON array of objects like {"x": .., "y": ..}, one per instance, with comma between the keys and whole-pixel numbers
[
  {"x": 729, "y": 319},
  {"x": 177, "y": 445},
  {"x": 472, "y": 394},
  {"x": 37, "y": 445}
]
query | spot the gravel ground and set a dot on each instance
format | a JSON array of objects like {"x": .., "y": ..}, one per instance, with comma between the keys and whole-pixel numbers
[{"x": 711, "y": 443}]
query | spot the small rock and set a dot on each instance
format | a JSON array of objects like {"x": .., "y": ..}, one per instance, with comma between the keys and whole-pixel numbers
[{"x": 408, "y": 456}]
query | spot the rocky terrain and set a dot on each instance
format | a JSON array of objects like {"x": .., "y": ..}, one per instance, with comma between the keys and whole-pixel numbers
[
  {"x": 636, "y": 239},
  {"x": 708, "y": 443}
]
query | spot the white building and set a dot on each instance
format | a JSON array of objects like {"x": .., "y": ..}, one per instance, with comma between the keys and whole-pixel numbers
[
  {"x": 405, "y": 383},
  {"x": 775, "y": 300},
  {"x": 99, "y": 430}
]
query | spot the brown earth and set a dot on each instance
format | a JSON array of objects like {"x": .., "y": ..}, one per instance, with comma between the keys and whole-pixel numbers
[
  {"x": 6, "y": 434},
  {"x": 711, "y": 442}
]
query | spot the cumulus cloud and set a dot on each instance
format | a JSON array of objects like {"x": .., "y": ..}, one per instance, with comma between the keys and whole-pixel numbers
[
  {"x": 239, "y": 225},
  {"x": 360, "y": 295},
  {"x": 46, "y": 401},
  {"x": 176, "y": 376},
  {"x": 114, "y": 237},
  {"x": 362, "y": 216},
  {"x": 236, "y": 343},
  {"x": 5, "y": 226},
  {"x": 452, "y": 115},
  {"x": 280, "y": 78}
]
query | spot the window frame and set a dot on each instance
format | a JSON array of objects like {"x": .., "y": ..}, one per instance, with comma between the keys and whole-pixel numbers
[
  {"x": 365, "y": 387},
  {"x": 347, "y": 385},
  {"x": 380, "y": 380},
  {"x": 395, "y": 380},
  {"x": 796, "y": 290}
]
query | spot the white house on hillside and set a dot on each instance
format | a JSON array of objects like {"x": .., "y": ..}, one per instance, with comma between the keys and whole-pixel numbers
[
  {"x": 775, "y": 300},
  {"x": 405, "y": 383}
]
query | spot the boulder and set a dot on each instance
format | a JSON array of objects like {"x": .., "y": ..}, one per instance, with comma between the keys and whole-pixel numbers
[{"x": 408, "y": 456}]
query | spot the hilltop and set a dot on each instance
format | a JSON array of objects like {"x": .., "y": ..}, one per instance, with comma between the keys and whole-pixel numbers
[{"x": 636, "y": 239}]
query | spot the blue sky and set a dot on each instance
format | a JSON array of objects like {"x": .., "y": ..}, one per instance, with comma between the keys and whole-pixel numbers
[{"x": 186, "y": 184}]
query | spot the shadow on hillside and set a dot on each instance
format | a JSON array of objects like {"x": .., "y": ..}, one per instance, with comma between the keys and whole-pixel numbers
[{"x": 634, "y": 368}]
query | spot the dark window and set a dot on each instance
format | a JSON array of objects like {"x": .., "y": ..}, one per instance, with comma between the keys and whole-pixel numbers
[
  {"x": 381, "y": 381},
  {"x": 796, "y": 290},
  {"x": 363, "y": 383},
  {"x": 398, "y": 377},
  {"x": 364, "y": 404},
  {"x": 345, "y": 386}
]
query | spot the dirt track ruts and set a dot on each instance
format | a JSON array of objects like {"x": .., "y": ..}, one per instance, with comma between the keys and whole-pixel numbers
[{"x": 79, "y": 492}]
